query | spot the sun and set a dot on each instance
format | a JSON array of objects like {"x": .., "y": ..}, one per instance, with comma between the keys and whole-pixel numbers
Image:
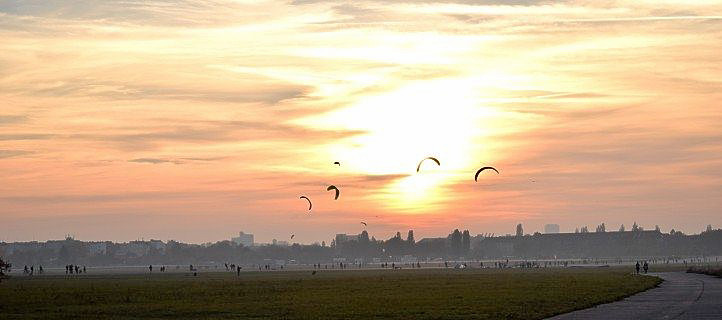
[{"x": 440, "y": 118}]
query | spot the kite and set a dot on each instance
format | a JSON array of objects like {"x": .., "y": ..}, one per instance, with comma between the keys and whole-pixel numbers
[
  {"x": 418, "y": 167},
  {"x": 310, "y": 205},
  {"x": 476, "y": 176},
  {"x": 332, "y": 187}
]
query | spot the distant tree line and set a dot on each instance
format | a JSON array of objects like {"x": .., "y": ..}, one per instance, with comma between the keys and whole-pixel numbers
[{"x": 457, "y": 245}]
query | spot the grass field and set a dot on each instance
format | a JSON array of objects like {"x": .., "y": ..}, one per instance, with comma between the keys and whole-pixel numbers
[{"x": 399, "y": 294}]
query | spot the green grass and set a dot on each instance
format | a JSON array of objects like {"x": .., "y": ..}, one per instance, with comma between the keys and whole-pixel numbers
[{"x": 398, "y": 294}]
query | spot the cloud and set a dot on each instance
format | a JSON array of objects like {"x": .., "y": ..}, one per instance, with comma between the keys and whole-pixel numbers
[
  {"x": 12, "y": 153},
  {"x": 198, "y": 13},
  {"x": 25, "y": 136},
  {"x": 269, "y": 93},
  {"x": 383, "y": 177},
  {"x": 154, "y": 161},
  {"x": 203, "y": 132},
  {"x": 12, "y": 119},
  {"x": 467, "y": 2}
]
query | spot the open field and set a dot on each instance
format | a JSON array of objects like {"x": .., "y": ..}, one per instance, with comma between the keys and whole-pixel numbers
[{"x": 432, "y": 293}]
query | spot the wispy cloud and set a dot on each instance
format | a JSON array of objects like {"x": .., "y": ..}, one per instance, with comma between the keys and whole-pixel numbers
[
  {"x": 13, "y": 153},
  {"x": 611, "y": 108},
  {"x": 154, "y": 161}
]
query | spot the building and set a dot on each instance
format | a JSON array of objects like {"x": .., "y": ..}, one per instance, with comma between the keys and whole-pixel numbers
[
  {"x": 551, "y": 228},
  {"x": 245, "y": 239},
  {"x": 138, "y": 248},
  {"x": 342, "y": 237},
  {"x": 97, "y": 248},
  {"x": 157, "y": 245}
]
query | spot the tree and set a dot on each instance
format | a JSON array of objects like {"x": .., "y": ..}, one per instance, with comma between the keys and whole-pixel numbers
[
  {"x": 576, "y": 230},
  {"x": 621, "y": 228},
  {"x": 398, "y": 235},
  {"x": 656, "y": 228},
  {"x": 602, "y": 228},
  {"x": 455, "y": 242},
  {"x": 410, "y": 238},
  {"x": 466, "y": 242},
  {"x": 584, "y": 229},
  {"x": 363, "y": 237},
  {"x": 709, "y": 228},
  {"x": 671, "y": 231},
  {"x": 519, "y": 230}
]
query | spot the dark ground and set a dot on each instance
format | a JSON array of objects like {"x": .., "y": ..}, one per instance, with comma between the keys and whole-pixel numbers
[{"x": 398, "y": 294}]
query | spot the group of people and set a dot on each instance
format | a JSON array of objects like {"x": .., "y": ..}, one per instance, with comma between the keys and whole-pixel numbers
[
  {"x": 70, "y": 268},
  {"x": 30, "y": 271},
  {"x": 268, "y": 267},
  {"x": 644, "y": 266},
  {"x": 232, "y": 267},
  {"x": 150, "y": 268}
]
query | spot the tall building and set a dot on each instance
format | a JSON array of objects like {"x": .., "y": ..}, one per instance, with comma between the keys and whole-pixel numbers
[
  {"x": 246, "y": 239},
  {"x": 551, "y": 228}
]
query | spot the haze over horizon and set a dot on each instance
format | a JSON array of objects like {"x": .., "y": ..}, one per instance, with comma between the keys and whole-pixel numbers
[{"x": 193, "y": 120}]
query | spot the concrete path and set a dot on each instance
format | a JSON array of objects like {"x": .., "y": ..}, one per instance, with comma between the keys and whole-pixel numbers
[{"x": 680, "y": 296}]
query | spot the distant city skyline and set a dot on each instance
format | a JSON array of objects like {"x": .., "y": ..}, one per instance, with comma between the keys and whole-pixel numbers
[{"x": 251, "y": 239}]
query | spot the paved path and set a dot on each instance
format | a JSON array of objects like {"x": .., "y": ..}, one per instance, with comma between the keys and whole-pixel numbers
[{"x": 680, "y": 296}]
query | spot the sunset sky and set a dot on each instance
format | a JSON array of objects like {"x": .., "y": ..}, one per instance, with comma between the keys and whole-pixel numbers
[{"x": 193, "y": 120}]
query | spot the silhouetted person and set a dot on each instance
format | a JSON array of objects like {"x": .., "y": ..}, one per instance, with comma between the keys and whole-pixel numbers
[
  {"x": 32, "y": 270},
  {"x": 238, "y": 270},
  {"x": 150, "y": 268},
  {"x": 40, "y": 269},
  {"x": 637, "y": 267},
  {"x": 84, "y": 271},
  {"x": 646, "y": 267}
]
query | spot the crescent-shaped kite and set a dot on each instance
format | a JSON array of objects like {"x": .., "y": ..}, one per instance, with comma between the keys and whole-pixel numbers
[
  {"x": 418, "y": 167},
  {"x": 292, "y": 236},
  {"x": 332, "y": 187},
  {"x": 310, "y": 205},
  {"x": 337, "y": 163},
  {"x": 476, "y": 176},
  {"x": 364, "y": 223}
]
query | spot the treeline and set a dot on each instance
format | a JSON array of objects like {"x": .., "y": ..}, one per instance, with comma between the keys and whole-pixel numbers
[{"x": 457, "y": 245}]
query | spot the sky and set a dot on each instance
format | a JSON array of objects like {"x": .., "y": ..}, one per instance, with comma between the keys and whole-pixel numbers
[{"x": 194, "y": 120}]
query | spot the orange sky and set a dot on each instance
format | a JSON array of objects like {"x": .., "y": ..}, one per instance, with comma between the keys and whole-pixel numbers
[{"x": 193, "y": 120}]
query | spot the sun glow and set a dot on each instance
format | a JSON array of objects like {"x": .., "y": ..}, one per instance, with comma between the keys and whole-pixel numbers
[{"x": 440, "y": 118}]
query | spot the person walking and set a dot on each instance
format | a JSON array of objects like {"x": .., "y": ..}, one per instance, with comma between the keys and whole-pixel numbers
[
  {"x": 646, "y": 267},
  {"x": 637, "y": 267}
]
